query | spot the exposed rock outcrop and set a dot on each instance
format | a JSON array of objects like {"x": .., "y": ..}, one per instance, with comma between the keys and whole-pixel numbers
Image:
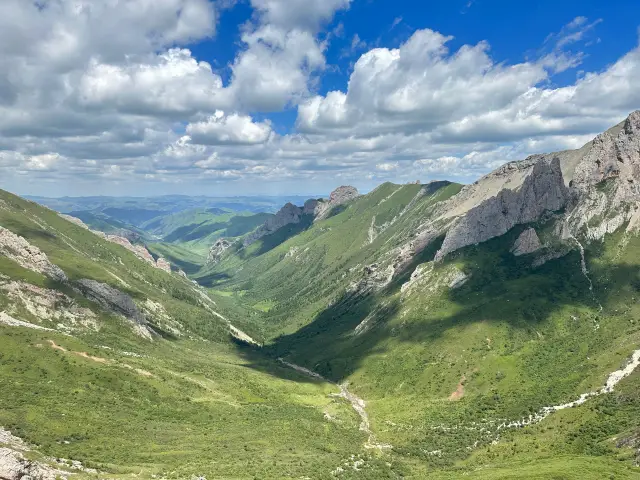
[
  {"x": 217, "y": 251},
  {"x": 45, "y": 304},
  {"x": 139, "y": 250},
  {"x": 528, "y": 191},
  {"x": 14, "y": 466},
  {"x": 310, "y": 206},
  {"x": 163, "y": 264},
  {"x": 528, "y": 242},
  {"x": 28, "y": 256},
  {"x": 114, "y": 301},
  {"x": 75, "y": 220},
  {"x": 289, "y": 214},
  {"x": 339, "y": 196}
]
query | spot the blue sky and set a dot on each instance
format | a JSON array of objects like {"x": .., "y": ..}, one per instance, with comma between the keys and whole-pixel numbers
[{"x": 299, "y": 96}]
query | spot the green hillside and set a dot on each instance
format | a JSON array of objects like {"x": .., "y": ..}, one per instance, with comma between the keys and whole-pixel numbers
[
  {"x": 197, "y": 230},
  {"x": 442, "y": 368},
  {"x": 191, "y": 401},
  {"x": 446, "y": 369}
]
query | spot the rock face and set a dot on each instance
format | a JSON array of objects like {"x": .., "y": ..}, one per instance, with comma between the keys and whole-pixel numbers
[
  {"x": 289, "y": 214},
  {"x": 114, "y": 301},
  {"x": 339, "y": 196},
  {"x": 218, "y": 249},
  {"x": 163, "y": 264},
  {"x": 538, "y": 188},
  {"x": 528, "y": 242},
  {"x": 310, "y": 206},
  {"x": 14, "y": 466},
  {"x": 139, "y": 250},
  {"x": 28, "y": 256}
]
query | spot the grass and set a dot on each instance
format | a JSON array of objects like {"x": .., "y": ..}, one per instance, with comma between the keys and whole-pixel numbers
[
  {"x": 516, "y": 337},
  {"x": 511, "y": 340}
]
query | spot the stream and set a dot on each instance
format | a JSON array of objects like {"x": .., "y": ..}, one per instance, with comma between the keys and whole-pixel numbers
[{"x": 357, "y": 403}]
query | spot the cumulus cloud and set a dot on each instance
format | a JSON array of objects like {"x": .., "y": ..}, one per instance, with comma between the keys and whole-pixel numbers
[
  {"x": 465, "y": 96},
  {"x": 234, "y": 129},
  {"x": 108, "y": 93},
  {"x": 307, "y": 15}
]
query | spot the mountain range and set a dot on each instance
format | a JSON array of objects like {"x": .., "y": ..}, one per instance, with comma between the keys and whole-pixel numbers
[{"x": 436, "y": 330}]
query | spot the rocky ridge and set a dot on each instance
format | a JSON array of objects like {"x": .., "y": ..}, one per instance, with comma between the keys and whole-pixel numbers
[
  {"x": 139, "y": 250},
  {"x": 339, "y": 196},
  {"x": 587, "y": 193},
  {"x": 287, "y": 215},
  {"x": 290, "y": 214},
  {"x": 541, "y": 190}
]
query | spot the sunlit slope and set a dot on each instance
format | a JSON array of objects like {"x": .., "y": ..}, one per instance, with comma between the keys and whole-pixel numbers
[
  {"x": 447, "y": 352},
  {"x": 303, "y": 267},
  {"x": 80, "y": 383}
]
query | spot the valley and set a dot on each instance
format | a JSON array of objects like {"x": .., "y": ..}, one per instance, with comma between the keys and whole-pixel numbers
[{"x": 431, "y": 330}]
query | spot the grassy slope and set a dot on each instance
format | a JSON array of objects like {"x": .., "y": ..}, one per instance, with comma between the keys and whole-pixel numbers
[
  {"x": 301, "y": 271},
  {"x": 193, "y": 406},
  {"x": 517, "y": 338},
  {"x": 197, "y": 230}
]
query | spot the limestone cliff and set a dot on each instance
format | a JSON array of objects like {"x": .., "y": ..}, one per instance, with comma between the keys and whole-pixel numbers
[
  {"x": 528, "y": 190},
  {"x": 593, "y": 191},
  {"x": 339, "y": 196}
]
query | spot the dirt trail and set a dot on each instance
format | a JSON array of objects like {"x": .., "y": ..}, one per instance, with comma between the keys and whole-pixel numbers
[{"x": 358, "y": 404}]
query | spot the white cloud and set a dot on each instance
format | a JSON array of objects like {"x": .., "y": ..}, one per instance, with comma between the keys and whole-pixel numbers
[
  {"x": 298, "y": 14},
  {"x": 421, "y": 84},
  {"x": 275, "y": 69},
  {"x": 387, "y": 167},
  {"x": 95, "y": 96},
  {"x": 234, "y": 129},
  {"x": 172, "y": 83}
]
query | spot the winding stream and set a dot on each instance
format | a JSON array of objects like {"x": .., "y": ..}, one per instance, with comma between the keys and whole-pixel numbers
[{"x": 358, "y": 404}]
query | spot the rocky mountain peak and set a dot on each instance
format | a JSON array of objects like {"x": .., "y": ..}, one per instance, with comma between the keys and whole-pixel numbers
[
  {"x": 339, "y": 196},
  {"x": 343, "y": 194},
  {"x": 289, "y": 214},
  {"x": 513, "y": 195},
  {"x": 570, "y": 183}
]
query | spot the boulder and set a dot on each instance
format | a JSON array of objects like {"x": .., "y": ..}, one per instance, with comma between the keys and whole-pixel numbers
[
  {"x": 14, "y": 466},
  {"x": 528, "y": 242},
  {"x": 217, "y": 250}
]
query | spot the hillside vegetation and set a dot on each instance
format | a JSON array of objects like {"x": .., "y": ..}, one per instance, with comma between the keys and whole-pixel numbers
[{"x": 442, "y": 331}]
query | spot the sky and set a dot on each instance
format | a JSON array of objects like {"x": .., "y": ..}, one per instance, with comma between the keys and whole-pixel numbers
[{"x": 243, "y": 97}]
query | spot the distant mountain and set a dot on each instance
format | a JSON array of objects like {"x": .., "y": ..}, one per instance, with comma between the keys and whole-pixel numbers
[{"x": 440, "y": 331}]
